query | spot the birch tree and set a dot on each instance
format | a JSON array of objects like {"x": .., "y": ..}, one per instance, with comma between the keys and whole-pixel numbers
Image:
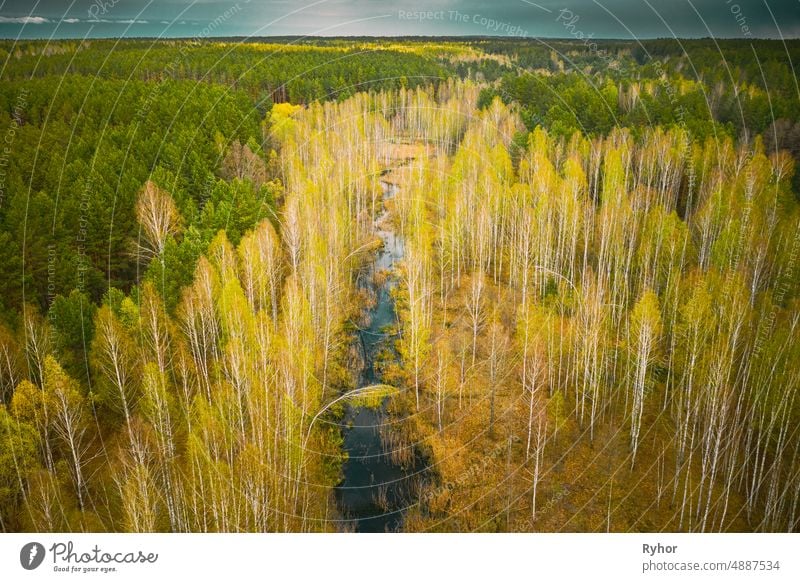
[{"x": 645, "y": 336}]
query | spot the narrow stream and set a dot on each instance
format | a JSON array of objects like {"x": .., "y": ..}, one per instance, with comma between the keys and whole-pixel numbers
[{"x": 375, "y": 489}]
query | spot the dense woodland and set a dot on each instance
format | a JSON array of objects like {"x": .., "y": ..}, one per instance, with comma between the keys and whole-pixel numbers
[{"x": 598, "y": 305}]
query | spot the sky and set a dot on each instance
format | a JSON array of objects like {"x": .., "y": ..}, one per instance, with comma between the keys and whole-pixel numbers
[{"x": 510, "y": 18}]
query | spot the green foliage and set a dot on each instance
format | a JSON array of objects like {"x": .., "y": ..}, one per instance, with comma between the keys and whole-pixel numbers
[
  {"x": 237, "y": 207},
  {"x": 175, "y": 268},
  {"x": 72, "y": 321},
  {"x": 19, "y": 446}
]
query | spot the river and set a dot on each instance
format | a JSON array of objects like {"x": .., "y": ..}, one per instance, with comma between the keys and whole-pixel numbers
[{"x": 376, "y": 487}]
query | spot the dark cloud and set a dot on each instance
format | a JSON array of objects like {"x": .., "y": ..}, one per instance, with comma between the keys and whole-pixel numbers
[{"x": 546, "y": 18}]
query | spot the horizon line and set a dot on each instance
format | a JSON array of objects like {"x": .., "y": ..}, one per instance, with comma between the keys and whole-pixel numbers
[{"x": 404, "y": 36}]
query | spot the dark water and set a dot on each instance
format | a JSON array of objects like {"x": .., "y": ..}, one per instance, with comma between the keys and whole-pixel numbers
[{"x": 375, "y": 490}]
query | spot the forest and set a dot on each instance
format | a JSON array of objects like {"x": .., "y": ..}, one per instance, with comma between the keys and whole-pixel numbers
[{"x": 399, "y": 284}]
